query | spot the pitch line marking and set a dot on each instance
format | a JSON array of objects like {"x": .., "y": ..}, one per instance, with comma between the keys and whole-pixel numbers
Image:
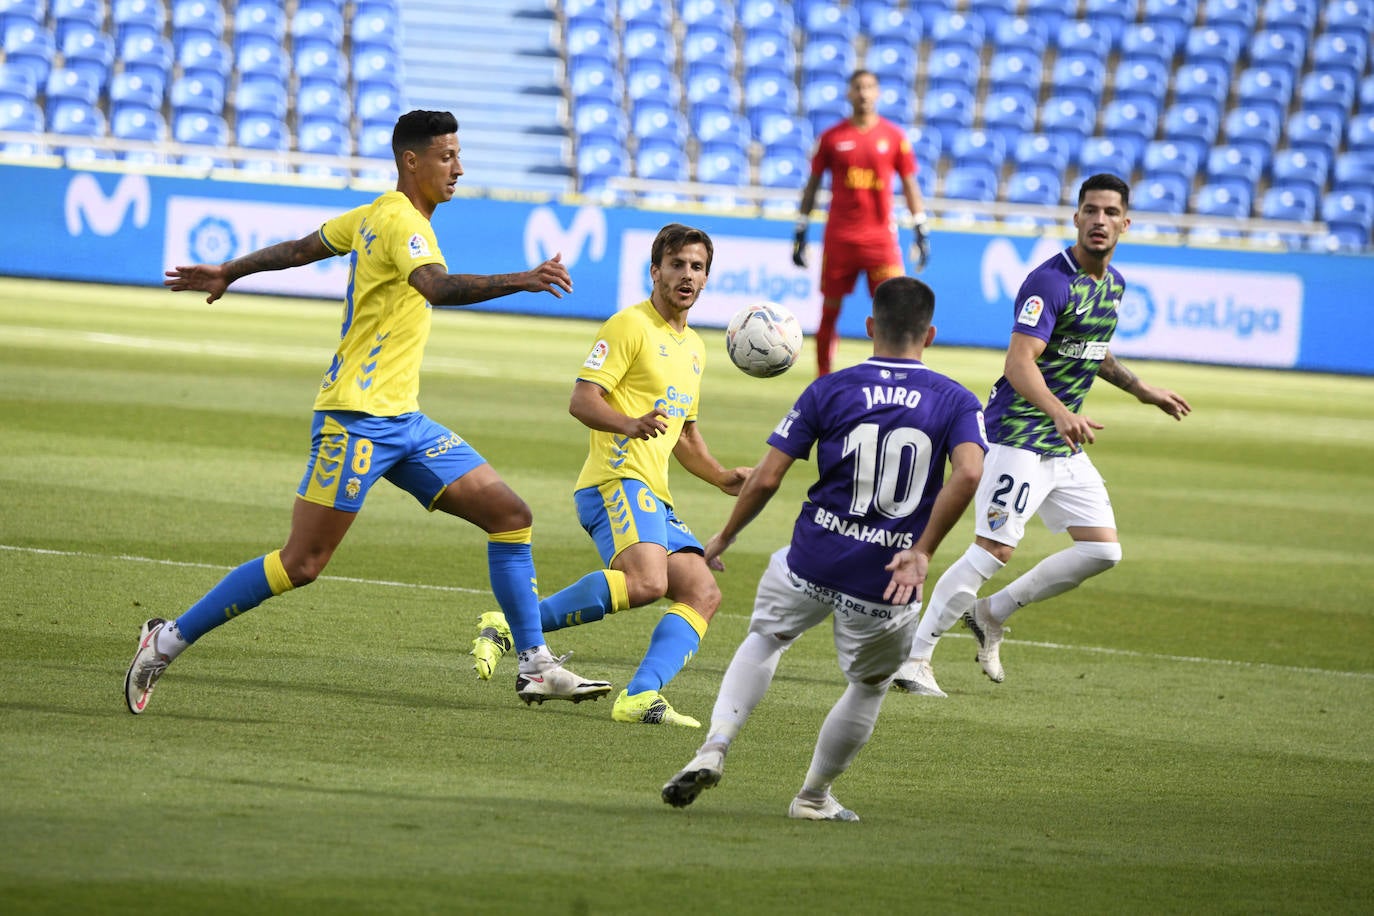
[{"x": 1092, "y": 650}]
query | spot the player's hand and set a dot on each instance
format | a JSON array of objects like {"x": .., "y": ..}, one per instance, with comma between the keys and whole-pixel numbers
[
  {"x": 920, "y": 249},
  {"x": 204, "y": 278},
  {"x": 1076, "y": 430},
  {"x": 799, "y": 246},
  {"x": 734, "y": 479},
  {"x": 1168, "y": 401},
  {"x": 549, "y": 277},
  {"x": 716, "y": 546},
  {"x": 649, "y": 426},
  {"x": 909, "y": 568}
]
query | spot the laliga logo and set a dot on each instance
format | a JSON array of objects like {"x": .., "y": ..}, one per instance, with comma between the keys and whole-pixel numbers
[
  {"x": 1003, "y": 271},
  {"x": 545, "y": 236},
  {"x": 105, "y": 215},
  {"x": 212, "y": 240},
  {"x": 1136, "y": 313}
]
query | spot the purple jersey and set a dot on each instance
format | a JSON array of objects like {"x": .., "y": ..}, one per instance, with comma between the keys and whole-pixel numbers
[
  {"x": 1076, "y": 316},
  {"x": 882, "y": 432}
]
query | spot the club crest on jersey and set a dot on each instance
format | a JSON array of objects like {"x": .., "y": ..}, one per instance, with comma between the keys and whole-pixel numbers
[
  {"x": 1031, "y": 311},
  {"x": 996, "y": 517},
  {"x": 696, "y": 364},
  {"x": 353, "y": 488},
  {"x": 597, "y": 358},
  {"x": 419, "y": 246},
  {"x": 882, "y": 146}
]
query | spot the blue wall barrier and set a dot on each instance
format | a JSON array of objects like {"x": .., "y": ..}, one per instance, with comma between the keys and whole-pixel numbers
[{"x": 1304, "y": 311}]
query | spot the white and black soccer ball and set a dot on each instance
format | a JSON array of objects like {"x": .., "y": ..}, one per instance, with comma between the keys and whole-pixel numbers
[{"x": 763, "y": 339}]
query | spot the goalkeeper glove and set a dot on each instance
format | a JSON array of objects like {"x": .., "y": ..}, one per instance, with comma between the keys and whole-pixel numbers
[
  {"x": 920, "y": 249},
  {"x": 799, "y": 243}
]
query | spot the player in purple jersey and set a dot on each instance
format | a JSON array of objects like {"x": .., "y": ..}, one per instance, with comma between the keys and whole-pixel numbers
[
  {"x": 861, "y": 545},
  {"x": 1065, "y": 314}
]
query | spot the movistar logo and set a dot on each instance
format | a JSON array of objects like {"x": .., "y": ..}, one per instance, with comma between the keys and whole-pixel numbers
[
  {"x": 88, "y": 207},
  {"x": 545, "y": 236}
]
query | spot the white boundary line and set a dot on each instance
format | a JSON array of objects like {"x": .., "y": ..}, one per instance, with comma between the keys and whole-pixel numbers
[{"x": 1093, "y": 650}]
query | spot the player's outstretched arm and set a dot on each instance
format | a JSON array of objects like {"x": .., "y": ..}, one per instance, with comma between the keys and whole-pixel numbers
[
  {"x": 214, "y": 279},
  {"x": 692, "y": 453},
  {"x": 763, "y": 482},
  {"x": 1112, "y": 370},
  {"x": 445, "y": 289}
]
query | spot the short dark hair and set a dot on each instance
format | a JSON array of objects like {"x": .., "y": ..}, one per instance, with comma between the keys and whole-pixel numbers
[
  {"x": 415, "y": 130},
  {"x": 674, "y": 236},
  {"x": 1103, "y": 181},
  {"x": 903, "y": 308},
  {"x": 861, "y": 72}
]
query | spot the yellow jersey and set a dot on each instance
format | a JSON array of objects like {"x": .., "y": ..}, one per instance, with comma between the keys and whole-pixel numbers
[
  {"x": 642, "y": 363},
  {"x": 376, "y": 369}
]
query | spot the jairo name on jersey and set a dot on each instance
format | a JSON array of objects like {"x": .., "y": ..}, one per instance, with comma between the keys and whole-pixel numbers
[
  {"x": 1084, "y": 349},
  {"x": 868, "y": 534},
  {"x": 891, "y": 394}
]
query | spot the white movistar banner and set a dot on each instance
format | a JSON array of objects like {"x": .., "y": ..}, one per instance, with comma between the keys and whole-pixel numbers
[{"x": 207, "y": 230}]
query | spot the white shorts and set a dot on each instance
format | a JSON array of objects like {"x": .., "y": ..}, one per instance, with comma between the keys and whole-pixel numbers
[
  {"x": 1067, "y": 492},
  {"x": 872, "y": 640}
]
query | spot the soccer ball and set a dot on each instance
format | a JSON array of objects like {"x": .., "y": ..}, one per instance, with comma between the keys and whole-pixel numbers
[{"x": 763, "y": 339}]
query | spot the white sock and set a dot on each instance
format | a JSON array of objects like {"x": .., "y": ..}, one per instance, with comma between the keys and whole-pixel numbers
[
  {"x": 170, "y": 642},
  {"x": 536, "y": 659},
  {"x": 954, "y": 595},
  {"x": 746, "y": 681},
  {"x": 1054, "y": 575},
  {"x": 846, "y": 729}
]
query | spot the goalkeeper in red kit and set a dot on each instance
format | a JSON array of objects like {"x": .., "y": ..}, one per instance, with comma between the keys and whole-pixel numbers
[{"x": 861, "y": 154}]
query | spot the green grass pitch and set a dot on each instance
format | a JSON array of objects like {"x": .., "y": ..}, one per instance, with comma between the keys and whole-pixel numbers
[{"x": 1192, "y": 732}]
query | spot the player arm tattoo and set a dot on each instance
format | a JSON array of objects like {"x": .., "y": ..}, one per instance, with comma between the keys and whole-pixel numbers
[
  {"x": 280, "y": 256},
  {"x": 441, "y": 288},
  {"x": 1113, "y": 371}
]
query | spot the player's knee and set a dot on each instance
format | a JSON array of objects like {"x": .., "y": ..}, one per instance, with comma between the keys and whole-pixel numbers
[
  {"x": 1102, "y": 555},
  {"x": 645, "y": 589},
  {"x": 304, "y": 570}
]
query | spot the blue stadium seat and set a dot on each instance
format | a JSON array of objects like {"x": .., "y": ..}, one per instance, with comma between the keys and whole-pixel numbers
[
  {"x": 889, "y": 26},
  {"x": 1349, "y": 17},
  {"x": 315, "y": 60},
  {"x": 661, "y": 162},
  {"x": 374, "y": 141},
  {"x": 828, "y": 56},
  {"x": 1238, "y": 166},
  {"x": 1300, "y": 168},
  {"x": 897, "y": 104},
  {"x": 1217, "y": 43},
  {"x": 29, "y": 12},
  {"x": 766, "y": 15},
  {"x": 634, "y": 11},
  {"x": 322, "y": 136},
  {"x": 769, "y": 94},
  {"x": 723, "y": 166},
  {"x": 1165, "y": 157},
  {"x": 375, "y": 65},
  {"x": 197, "y": 94},
  {"x": 648, "y": 45},
  {"x": 592, "y": 42},
  {"x": 769, "y": 53},
  {"x": 260, "y": 132},
  {"x": 952, "y": 65},
  {"x": 953, "y": 28},
  {"x": 1222, "y": 200},
  {"x": 1318, "y": 130},
  {"x": 718, "y": 14},
  {"x": 17, "y": 83},
  {"x": 658, "y": 84},
  {"x": 1192, "y": 122},
  {"x": 779, "y": 132},
  {"x": 971, "y": 182},
  {"x": 1298, "y": 204},
  {"x": 1278, "y": 47},
  {"x": 1359, "y": 135},
  {"x": 1298, "y": 17},
  {"x": 72, "y": 84},
  {"x": 714, "y": 89},
  {"x": 601, "y": 121},
  {"x": 147, "y": 54},
  {"x": 327, "y": 102},
  {"x": 1131, "y": 118},
  {"x": 1350, "y": 210},
  {"x": 1172, "y": 16},
  {"x": 653, "y": 121},
  {"x": 1354, "y": 169},
  {"x": 138, "y": 123},
  {"x": 1163, "y": 193},
  {"x": 783, "y": 171},
  {"x": 1332, "y": 90},
  {"x": 1113, "y": 15},
  {"x": 317, "y": 23},
  {"x": 197, "y": 19},
  {"x": 1341, "y": 53},
  {"x": 261, "y": 97},
  {"x": 31, "y": 47},
  {"x": 375, "y": 24},
  {"x": 1257, "y": 126},
  {"x": 137, "y": 17},
  {"x": 828, "y": 94},
  {"x": 596, "y": 79},
  {"x": 91, "y": 52},
  {"x": 1072, "y": 118},
  {"x": 1243, "y": 13},
  {"x": 1105, "y": 155},
  {"x": 892, "y": 63},
  {"x": 264, "y": 19},
  {"x": 1020, "y": 34},
  {"x": 927, "y": 145},
  {"x": 973, "y": 146},
  {"x": 20, "y": 116},
  {"x": 708, "y": 49},
  {"x": 1205, "y": 81},
  {"x": 260, "y": 58},
  {"x": 991, "y": 12},
  {"x": 1053, "y": 13},
  {"x": 67, "y": 15},
  {"x": 1080, "y": 37},
  {"x": 75, "y": 118},
  {"x": 1015, "y": 69},
  {"x": 1009, "y": 113},
  {"x": 1041, "y": 153},
  {"x": 1033, "y": 188},
  {"x": 829, "y": 20},
  {"x": 1141, "y": 41},
  {"x": 1140, "y": 80},
  {"x": 203, "y": 53},
  {"x": 948, "y": 107},
  {"x": 1265, "y": 85},
  {"x": 1076, "y": 75}
]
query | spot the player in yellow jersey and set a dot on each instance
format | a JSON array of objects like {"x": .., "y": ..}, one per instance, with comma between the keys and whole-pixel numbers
[
  {"x": 367, "y": 423},
  {"x": 638, "y": 393}
]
